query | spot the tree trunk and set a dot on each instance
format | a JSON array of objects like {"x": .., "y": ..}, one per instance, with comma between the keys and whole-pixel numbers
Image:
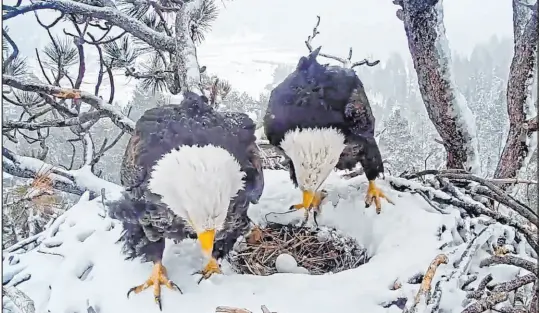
[
  {"x": 445, "y": 105},
  {"x": 521, "y": 141}
]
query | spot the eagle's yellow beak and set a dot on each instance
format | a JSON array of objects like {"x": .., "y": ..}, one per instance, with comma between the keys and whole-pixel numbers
[
  {"x": 206, "y": 238},
  {"x": 308, "y": 197}
]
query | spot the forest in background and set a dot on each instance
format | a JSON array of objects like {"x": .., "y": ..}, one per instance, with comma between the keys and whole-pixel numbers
[{"x": 406, "y": 136}]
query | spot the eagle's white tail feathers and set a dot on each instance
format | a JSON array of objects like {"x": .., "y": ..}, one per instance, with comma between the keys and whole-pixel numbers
[
  {"x": 197, "y": 183},
  {"x": 314, "y": 153}
]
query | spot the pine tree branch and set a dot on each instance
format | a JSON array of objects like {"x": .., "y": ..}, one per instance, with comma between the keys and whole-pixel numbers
[
  {"x": 74, "y": 182},
  {"x": 109, "y": 14},
  {"x": 73, "y": 121},
  {"x": 110, "y": 111}
]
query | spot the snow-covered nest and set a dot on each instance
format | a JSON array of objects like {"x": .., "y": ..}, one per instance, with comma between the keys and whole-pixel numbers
[
  {"x": 77, "y": 264},
  {"x": 315, "y": 251}
]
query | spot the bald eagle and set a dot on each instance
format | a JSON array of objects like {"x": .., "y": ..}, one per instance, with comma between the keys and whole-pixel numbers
[
  {"x": 189, "y": 172},
  {"x": 320, "y": 117}
]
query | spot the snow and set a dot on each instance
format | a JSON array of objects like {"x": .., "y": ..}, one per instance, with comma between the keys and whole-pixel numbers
[{"x": 90, "y": 269}]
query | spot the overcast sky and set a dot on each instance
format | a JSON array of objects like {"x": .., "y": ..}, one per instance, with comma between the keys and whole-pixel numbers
[
  {"x": 268, "y": 31},
  {"x": 370, "y": 26}
]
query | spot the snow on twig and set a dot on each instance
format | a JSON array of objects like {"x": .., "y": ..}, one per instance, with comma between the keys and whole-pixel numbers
[
  {"x": 511, "y": 260},
  {"x": 227, "y": 309},
  {"x": 110, "y": 14},
  {"x": 72, "y": 181},
  {"x": 117, "y": 117},
  {"x": 524, "y": 220},
  {"x": 19, "y": 299},
  {"x": 422, "y": 298}
]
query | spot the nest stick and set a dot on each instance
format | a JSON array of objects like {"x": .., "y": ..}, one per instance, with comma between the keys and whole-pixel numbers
[{"x": 425, "y": 287}]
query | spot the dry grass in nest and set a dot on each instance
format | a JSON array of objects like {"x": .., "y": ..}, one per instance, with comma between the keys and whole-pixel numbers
[{"x": 319, "y": 251}]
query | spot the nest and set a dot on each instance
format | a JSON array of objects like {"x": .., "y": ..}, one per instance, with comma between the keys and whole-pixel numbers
[{"x": 319, "y": 251}]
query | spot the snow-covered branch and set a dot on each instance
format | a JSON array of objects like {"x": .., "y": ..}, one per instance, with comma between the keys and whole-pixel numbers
[
  {"x": 522, "y": 139},
  {"x": 109, "y": 110},
  {"x": 71, "y": 181},
  {"x": 449, "y": 194},
  {"x": 185, "y": 55},
  {"x": 107, "y": 13},
  {"x": 445, "y": 105},
  {"x": 78, "y": 120}
]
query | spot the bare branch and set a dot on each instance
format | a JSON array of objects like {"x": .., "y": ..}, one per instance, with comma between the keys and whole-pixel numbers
[
  {"x": 346, "y": 62},
  {"x": 15, "y": 51}
]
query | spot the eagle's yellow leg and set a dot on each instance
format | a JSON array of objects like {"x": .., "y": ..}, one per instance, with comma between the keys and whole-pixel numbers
[
  {"x": 206, "y": 239},
  {"x": 374, "y": 194},
  {"x": 310, "y": 200},
  {"x": 157, "y": 278}
]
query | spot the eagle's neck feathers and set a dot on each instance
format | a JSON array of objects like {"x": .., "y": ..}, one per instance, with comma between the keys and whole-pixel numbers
[
  {"x": 314, "y": 152},
  {"x": 197, "y": 184}
]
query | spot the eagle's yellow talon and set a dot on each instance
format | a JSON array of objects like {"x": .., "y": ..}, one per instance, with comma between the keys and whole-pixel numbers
[
  {"x": 211, "y": 268},
  {"x": 374, "y": 194},
  {"x": 311, "y": 201},
  {"x": 157, "y": 278}
]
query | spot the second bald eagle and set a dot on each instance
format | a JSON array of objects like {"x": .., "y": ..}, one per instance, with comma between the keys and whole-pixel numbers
[
  {"x": 320, "y": 117},
  {"x": 190, "y": 172}
]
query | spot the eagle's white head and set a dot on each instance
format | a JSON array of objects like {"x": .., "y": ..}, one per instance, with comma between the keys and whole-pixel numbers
[
  {"x": 197, "y": 183},
  {"x": 314, "y": 153}
]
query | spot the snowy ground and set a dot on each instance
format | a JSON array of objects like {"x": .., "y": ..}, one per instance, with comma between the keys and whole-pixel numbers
[{"x": 402, "y": 240}]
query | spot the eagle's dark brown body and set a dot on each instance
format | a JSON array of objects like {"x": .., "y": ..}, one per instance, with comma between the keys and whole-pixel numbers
[
  {"x": 319, "y": 96},
  {"x": 147, "y": 222}
]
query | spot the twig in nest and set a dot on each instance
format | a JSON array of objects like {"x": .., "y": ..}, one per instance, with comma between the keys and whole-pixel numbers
[
  {"x": 227, "y": 309},
  {"x": 534, "y": 301},
  {"x": 477, "y": 294},
  {"x": 486, "y": 303},
  {"x": 511, "y": 260},
  {"x": 515, "y": 283},
  {"x": 423, "y": 293}
]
